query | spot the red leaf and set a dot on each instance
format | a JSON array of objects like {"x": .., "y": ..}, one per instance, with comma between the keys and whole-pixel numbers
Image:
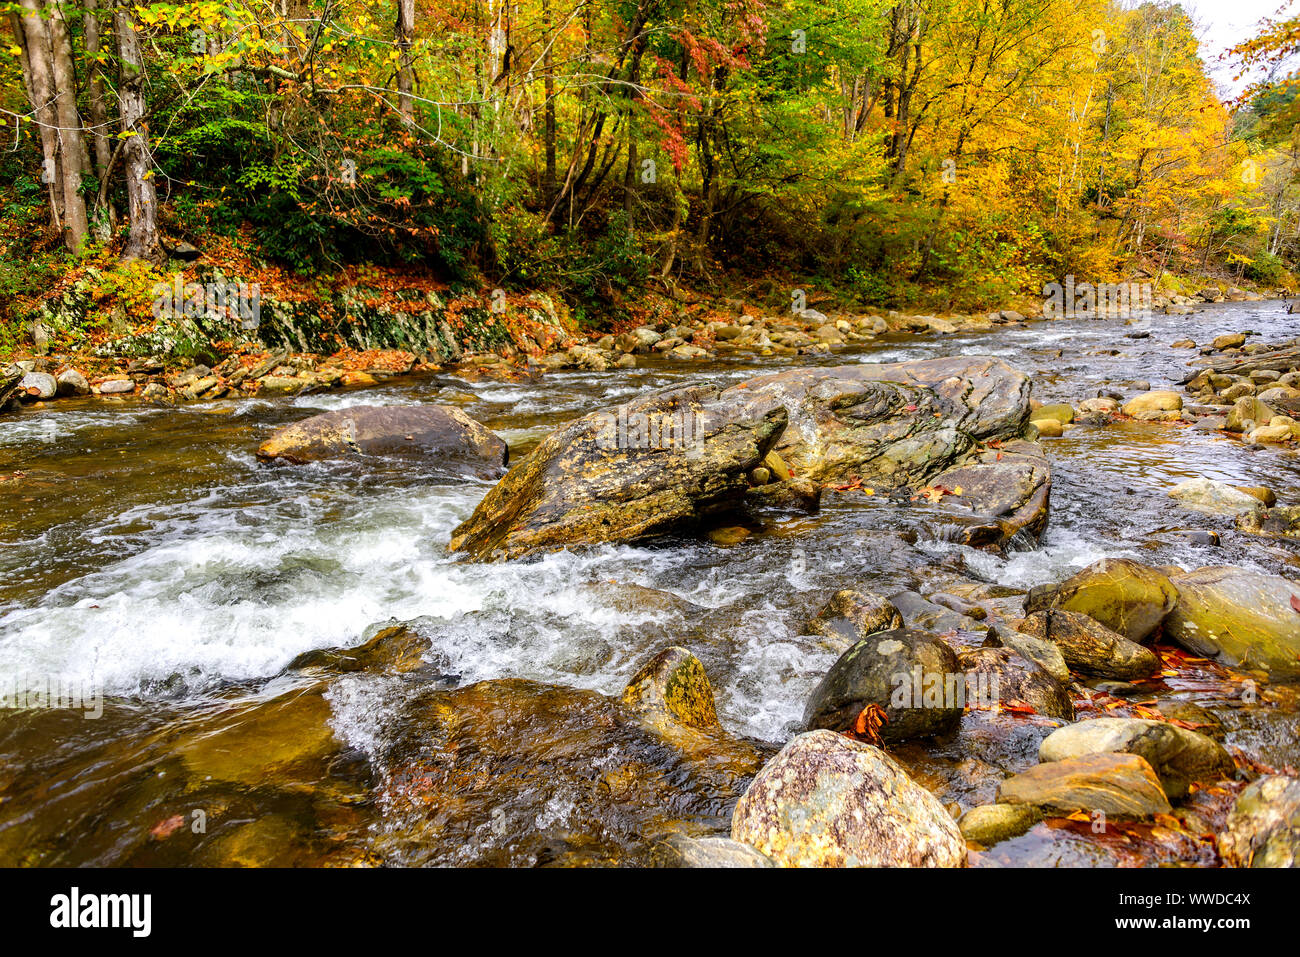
[{"x": 1295, "y": 603}]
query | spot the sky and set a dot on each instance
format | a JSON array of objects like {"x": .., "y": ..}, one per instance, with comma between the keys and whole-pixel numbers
[{"x": 1224, "y": 23}]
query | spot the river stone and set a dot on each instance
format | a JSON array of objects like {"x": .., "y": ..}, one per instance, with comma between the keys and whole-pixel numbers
[
  {"x": 1090, "y": 647},
  {"x": 827, "y": 801},
  {"x": 116, "y": 387},
  {"x": 1280, "y": 520},
  {"x": 661, "y": 463},
  {"x": 1161, "y": 400},
  {"x": 72, "y": 382},
  {"x": 672, "y": 686},
  {"x": 37, "y": 387},
  {"x": 877, "y": 421},
  {"x": 989, "y": 824},
  {"x": 1038, "y": 650},
  {"x": 1006, "y": 490},
  {"x": 1247, "y": 409},
  {"x": 1216, "y": 498},
  {"x": 851, "y": 616},
  {"x": 442, "y": 432},
  {"x": 1178, "y": 756},
  {"x": 393, "y": 649},
  {"x": 681, "y": 851},
  {"x": 1118, "y": 785},
  {"x": 1122, "y": 594},
  {"x": 1012, "y": 678},
  {"x": 1048, "y": 428},
  {"x": 1060, "y": 411},
  {"x": 1247, "y": 618},
  {"x": 891, "y": 669},
  {"x": 1263, "y": 828}
]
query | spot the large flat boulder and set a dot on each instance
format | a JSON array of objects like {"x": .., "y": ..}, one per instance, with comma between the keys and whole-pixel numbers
[
  {"x": 445, "y": 434},
  {"x": 668, "y": 460}
]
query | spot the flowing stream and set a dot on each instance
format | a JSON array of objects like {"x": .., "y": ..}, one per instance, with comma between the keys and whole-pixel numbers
[{"x": 145, "y": 552}]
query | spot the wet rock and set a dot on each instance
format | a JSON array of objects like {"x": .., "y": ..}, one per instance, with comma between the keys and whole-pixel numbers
[
  {"x": 1048, "y": 428},
  {"x": 1090, "y": 647},
  {"x": 729, "y": 535},
  {"x": 115, "y": 387},
  {"x": 1231, "y": 340},
  {"x": 663, "y": 462},
  {"x": 1216, "y": 498},
  {"x": 1122, "y": 594},
  {"x": 1246, "y": 413},
  {"x": 851, "y": 616},
  {"x": 1263, "y": 828},
  {"x": 1118, "y": 785},
  {"x": 1043, "y": 653},
  {"x": 1014, "y": 679},
  {"x": 518, "y": 773},
  {"x": 909, "y": 674},
  {"x": 877, "y": 421},
  {"x": 672, "y": 687},
  {"x": 1201, "y": 719},
  {"x": 1161, "y": 400},
  {"x": 1059, "y": 411},
  {"x": 1099, "y": 405},
  {"x": 681, "y": 851},
  {"x": 441, "y": 432},
  {"x": 826, "y": 801},
  {"x": 1005, "y": 493},
  {"x": 1282, "y": 521},
  {"x": 1178, "y": 756},
  {"x": 1247, "y": 618},
  {"x": 38, "y": 387},
  {"x": 795, "y": 495},
  {"x": 394, "y": 649},
  {"x": 989, "y": 824}
]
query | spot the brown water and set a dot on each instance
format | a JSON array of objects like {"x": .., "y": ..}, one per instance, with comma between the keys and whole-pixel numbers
[{"x": 146, "y": 554}]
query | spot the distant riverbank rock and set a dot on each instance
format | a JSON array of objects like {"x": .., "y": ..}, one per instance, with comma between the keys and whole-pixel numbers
[
  {"x": 826, "y": 801},
  {"x": 1245, "y": 617},
  {"x": 1177, "y": 755},
  {"x": 1263, "y": 828},
  {"x": 448, "y": 435},
  {"x": 911, "y": 675}
]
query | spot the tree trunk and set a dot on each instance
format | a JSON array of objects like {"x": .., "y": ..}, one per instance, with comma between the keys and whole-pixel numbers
[
  {"x": 403, "y": 34},
  {"x": 72, "y": 144},
  {"x": 143, "y": 241}
]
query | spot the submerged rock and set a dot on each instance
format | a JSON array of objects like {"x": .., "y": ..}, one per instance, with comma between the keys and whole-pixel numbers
[
  {"x": 1178, "y": 756},
  {"x": 1263, "y": 828},
  {"x": 1218, "y": 498},
  {"x": 1122, "y": 594},
  {"x": 1016, "y": 680},
  {"x": 441, "y": 432},
  {"x": 1245, "y": 617},
  {"x": 1043, "y": 653},
  {"x": 1089, "y": 647},
  {"x": 911, "y": 675},
  {"x": 1118, "y": 785},
  {"x": 826, "y": 801},
  {"x": 681, "y": 851},
  {"x": 990, "y": 823},
  {"x": 851, "y": 616},
  {"x": 1006, "y": 488}
]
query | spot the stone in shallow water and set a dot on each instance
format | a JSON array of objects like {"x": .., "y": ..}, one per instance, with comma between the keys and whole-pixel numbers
[
  {"x": 910, "y": 674},
  {"x": 826, "y": 801},
  {"x": 1090, "y": 647},
  {"x": 1263, "y": 828},
  {"x": 1218, "y": 498},
  {"x": 441, "y": 432},
  {"x": 1122, "y": 594},
  {"x": 1178, "y": 756},
  {"x": 1015, "y": 680},
  {"x": 990, "y": 823},
  {"x": 851, "y": 616},
  {"x": 708, "y": 852},
  {"x": 1245, "y": 617},
  {"x": 673, "y": 686},
  {"x": 1118, "y": 785}
]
